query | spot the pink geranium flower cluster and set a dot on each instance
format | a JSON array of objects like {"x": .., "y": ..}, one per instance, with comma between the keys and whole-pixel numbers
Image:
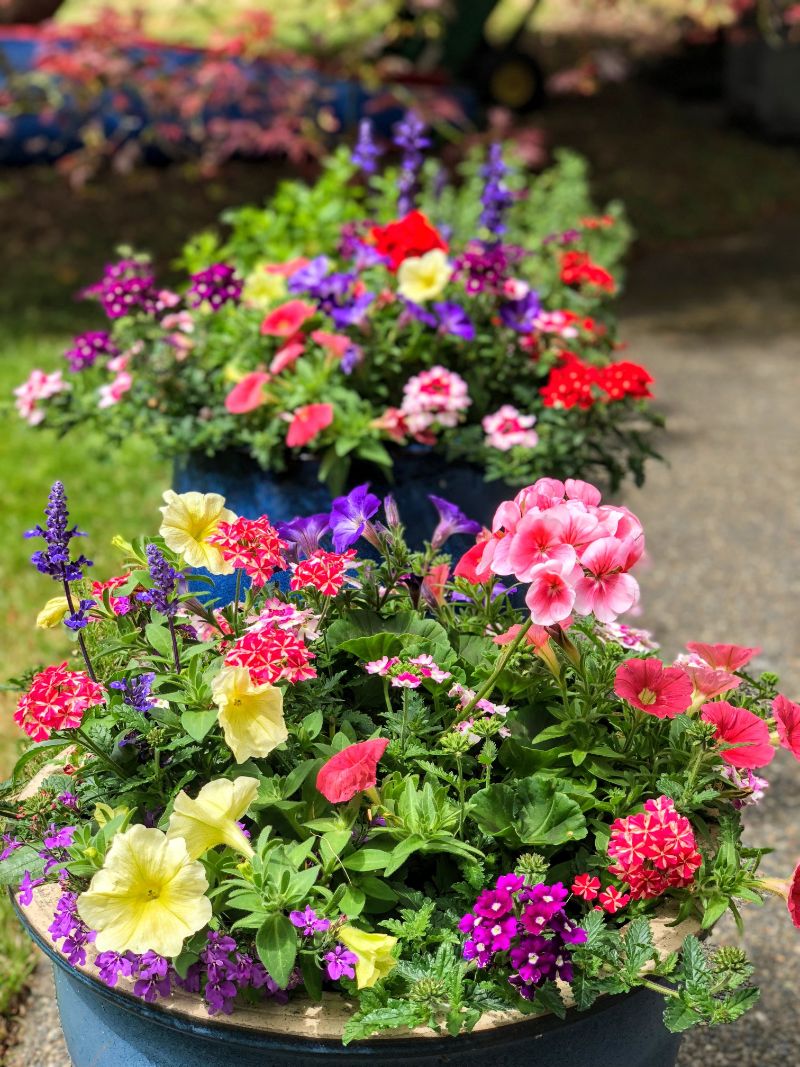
[
  {"x": 432, "y": 399},
  {"x": 272, "y": 654},
  {"x": 574, "y": 552},
  {"x": 654, "y": 850},
  {"x": 252, "y": 545},
  {"x": 323, "y": 571},
  {"x": 57, "y": 700},
  {"x": 508, "y": 428},
  {"x": 39, "y": 386},
  {"x": 407, "y": 673}
]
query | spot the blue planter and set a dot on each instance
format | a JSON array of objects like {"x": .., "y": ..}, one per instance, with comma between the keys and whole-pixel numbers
[
  {"x": 251, "y": 491},
  {"x": 111, "y": 1028}
]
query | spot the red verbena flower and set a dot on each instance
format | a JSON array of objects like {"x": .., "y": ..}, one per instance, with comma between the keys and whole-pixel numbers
[
  {"x": 654, "y": 850},
  {"x": 272, "y": 654},
  {"x": 577, "y": 268},
  {"x": 570, "y": 384},
  {"x": 252, "y": 545},
  {"x": 621, "y": 380},
  {"x": 351, "y": 771},
  {"x": 413, "y": 235},
  {"x": 586, "y": 886},
  {"x": 738, "y": 726},
  {"x": 612, "y": 900},
  {"x": 650, "y": 686},
  {"x": 787, "y": 722},
  {"x": 56, "y": 700},
  {"x": 324, "y": 571}
]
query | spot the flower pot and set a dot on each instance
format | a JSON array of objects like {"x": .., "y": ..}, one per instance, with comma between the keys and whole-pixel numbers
[
  {"x": 110, "y": 1027},
  {"x": 251, "y": 491}
]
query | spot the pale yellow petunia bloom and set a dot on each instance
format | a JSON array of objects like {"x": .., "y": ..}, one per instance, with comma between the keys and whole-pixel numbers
[
  {"x": 211, "y": 818},
  {"x": 189, "y": 520},
  {"x": 148, "y": 896},
  {"x": 263, "y": 289},
  {"x": 251, "y": 716},
  {"x": 421, "y": 278},
  {"x": 52, "y": 614},
  {"x": 374, "y": 951}
]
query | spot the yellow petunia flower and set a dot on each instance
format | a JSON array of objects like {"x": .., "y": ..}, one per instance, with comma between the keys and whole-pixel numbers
[
  {"x": 189, "y": 520},
  {"x": 251, "y": 716},
  {"x": 52, "y": 614},
  {"x": 211, "y": 818},
  {"x": 148, "y": 896},
  {"x": 263, "y": 289},
  {"x": 421, "y": 278},
  {"x": 374, "y": 951}
]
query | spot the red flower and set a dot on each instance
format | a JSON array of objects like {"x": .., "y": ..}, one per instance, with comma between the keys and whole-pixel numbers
[
  {"x": 586, "y": 886},
  {"x": 271, "y": 655},
  {"x": 253, "y": 545},
  {"x": 570, "y": 384},
  {"x": 650, "y": 686},
  {"x": 410, "y": 236},
  {"x": 738, "y": 726},
  {"x": 467, "y": 566},
  {"x": 286, "y": 320},
  {"x": 723, "y": 657},
  {"x": 56, "y": 700},
  {"x": 612, "y": 901},
  {"x": 577, "y": 268},
  {"x": 351, "y": 771},
  {"x": 307, "y": 422},
  {"x": 654, "y": 850},
  {"x": 709, "y": 683},
  {"x": 621, "y": 380},
  {"x": 247, "y": 394},
  {"x": 324, "y": 571},
  {"x": 787, "y": 721},
  {"x": 794, "y": 897}
]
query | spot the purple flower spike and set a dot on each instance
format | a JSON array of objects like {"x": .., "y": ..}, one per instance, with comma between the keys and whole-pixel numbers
[
  {"x": 78, "y": 620},
  {"x": 366, "y": 152},
  {"x": 409, "y": 136},
  {"x": 350, "y": 515},
  {"x": 451, "y": 521},
  {"x": 496, "y": 196},
  {"x": 136, "y": 692},
  {"x": 55, "y": 559},
  {"x": 163, "y": 577}
]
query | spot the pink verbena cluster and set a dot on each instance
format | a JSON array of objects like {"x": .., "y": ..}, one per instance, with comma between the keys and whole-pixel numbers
[
  {"x": 323, "y": 571},
  {"x": 272, "y": 654},
  {"x": 654, "y": 850},
  {"x": 39, "y": 386},
  {"x": 574, "y": 552},
  {"x": 56, "y": 700},
  {"x": 407, "y": 673},
  {"x": 252, "y": 545},
  {"x": 433, "y": 399},
  {"x": 508, "y": 428},
  {"x": 492, "y": 717}
]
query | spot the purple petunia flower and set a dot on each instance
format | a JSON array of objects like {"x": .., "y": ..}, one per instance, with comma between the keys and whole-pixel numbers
[
  {"x": 55, "y": 559},
  {"x": 350, "y": 515},
  {"x": 308, "y": 277},
  {"x": 451, "y": 521},
  {"x": 304, "y": 534},
  {"x": 87, "y": 348},
  {"x": 520, "y": 314},
  {"x": 418, "y": 312},
  {"x": 366, "y": 152},
  {"x": 340, "y": 963},
  {"x": 136, "y": 692},
  {"x": 218, "y": 284},
  {"x": 454, "y": 320}
]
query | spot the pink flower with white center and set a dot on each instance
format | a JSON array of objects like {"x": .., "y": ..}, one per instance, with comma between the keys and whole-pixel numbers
[
  {"x": 611, "y": 900},
  {"x": 435, "y": 397},
  {"x": 605, "y": 590},
  {"x": 406, "y": 680},
  {"x": 515, "y": 288},
  {"x": 508, "y": 428},
  {"x": 39, "y": 386},
  {"x": 393, "y": 423},
  {"x": 429, "y": 668},
  {"x": 112, "y": 393},
  {"x": 381, "y": 666},
  {"x": 467, "y": 728},
  {"x": 489, "y": 708},
  {"x": 551, "y": 594}
]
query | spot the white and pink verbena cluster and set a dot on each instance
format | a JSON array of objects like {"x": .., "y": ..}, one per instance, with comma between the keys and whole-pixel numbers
[
  {"x": 575, "y": 553},
  {"x": 434, "y": 399},
  {"x": 39, "y": 386}
]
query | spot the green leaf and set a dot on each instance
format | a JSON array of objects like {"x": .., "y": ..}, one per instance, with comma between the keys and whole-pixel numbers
[
  {"x": 158, "y": 637},
  {"x": 532, "y": 812},
  {"x": 352, "y": 903},
  {"x": 714, "y": 910},
  {"x": 35, "y": 750},
  {"x": 312, "y": 975},
  {"x": 22, "y": 860},
  {"x": 367, "y": 859},
  {"x": 678, "y": 1016},
  {"x": 198, "y": 723},
  {"x": 276, "y": 944}
]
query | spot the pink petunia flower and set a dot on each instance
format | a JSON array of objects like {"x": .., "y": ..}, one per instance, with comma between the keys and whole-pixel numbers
[
  {"x": 723, "y": 657},
  {"x": 650, "y": 686},
  {"x": 708, "y": 683},
  {"x": 787, "y": 722},
  {"x": 738, "y": 726},
  {"x": 287, "y": 320},
  {"x": 351, "y": 771},
  {"x": 286, "y": 356},
  {"x": 112, "y": 393},
  {"x": 307, "y": 422},
  {"x": 335, "y": 343},
  {"x": 248, "y": 394},
  {"x": 794, "y": 897}
]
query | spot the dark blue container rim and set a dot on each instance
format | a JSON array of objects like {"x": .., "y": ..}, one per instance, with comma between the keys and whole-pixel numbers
[{"x": 249, "y": 1038}]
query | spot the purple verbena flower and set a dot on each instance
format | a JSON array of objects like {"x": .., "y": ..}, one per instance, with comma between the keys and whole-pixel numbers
[
  {"x": 451, "y": 521},
  {"x": 126, "y": 286},
  {"x": 87, "y": 348},
  {"x": 350, "y": 516},
  {"x": 55, "y": 559},
  {"x": 218, "y": 284},
  {"x": 340, "y": 963}
]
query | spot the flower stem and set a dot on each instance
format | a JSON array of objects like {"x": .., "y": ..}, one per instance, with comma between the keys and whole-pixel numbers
[
  {"x": 175, "y": 654},
  {"x": 81, "y": 642},
  {"x": 237, "y": 593},
  {"x": 499, "y": 667},
  {"x": 86, "y": 742}
]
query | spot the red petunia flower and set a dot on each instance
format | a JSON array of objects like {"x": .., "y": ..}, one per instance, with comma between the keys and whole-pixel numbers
[
  {"x": 413, "y": 235},
  {"x": 286, "y": 320},
  {"x": 794, "y": 897},
  {"x": 586, "y": 886},
  {"x": 723, "y": 657},
  {"x": 351, "y": 771},
  {"x": 307, "y": 422},
  {"x": 738, "y": 726},
  {"x": 650, "y": 686},
  {"x": 57, "y": 700},
  {"x": 787, "y": 721},
  {"x": 247, "y": 394}
]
